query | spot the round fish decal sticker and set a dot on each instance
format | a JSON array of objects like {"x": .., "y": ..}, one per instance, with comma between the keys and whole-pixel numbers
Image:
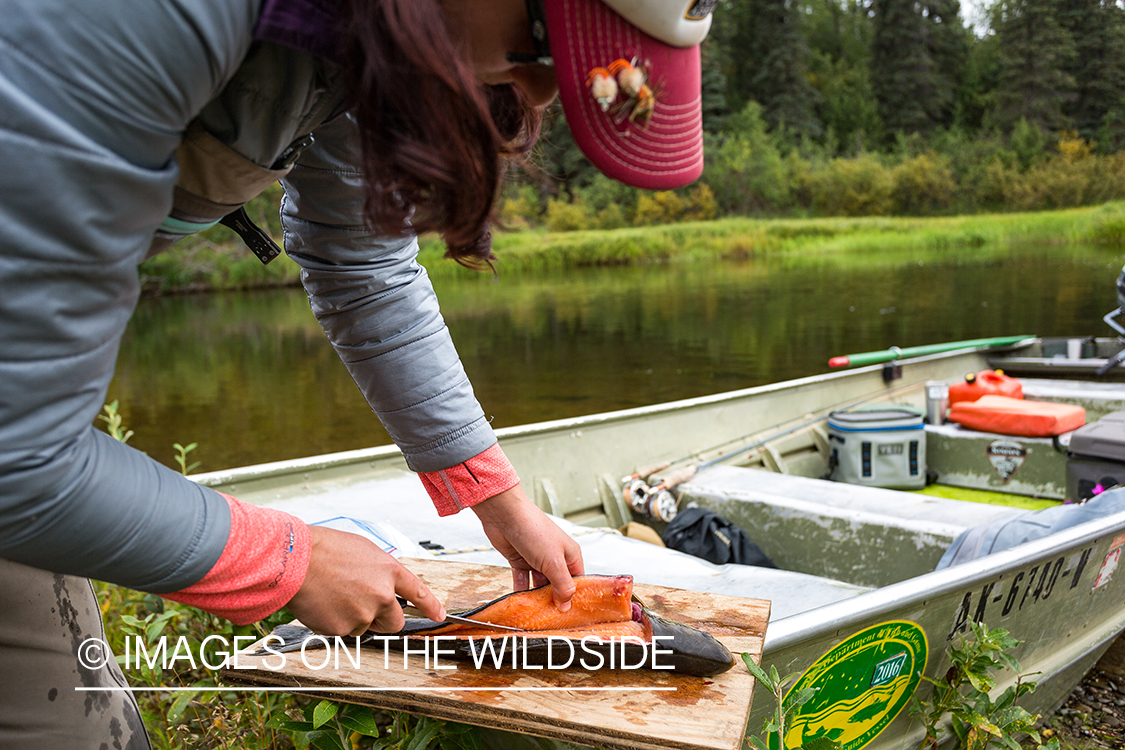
[{"x": 861, "y": 685}]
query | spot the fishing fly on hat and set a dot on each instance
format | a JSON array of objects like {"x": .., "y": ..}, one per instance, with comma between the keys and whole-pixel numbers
[{"x": 629, "y": 83}]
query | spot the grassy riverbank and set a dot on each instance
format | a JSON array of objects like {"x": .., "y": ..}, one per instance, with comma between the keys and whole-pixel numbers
[{"x": 217, "y": 259}]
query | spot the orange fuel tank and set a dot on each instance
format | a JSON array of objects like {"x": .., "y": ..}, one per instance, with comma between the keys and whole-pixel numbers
[{"x": 985, "y": 383}]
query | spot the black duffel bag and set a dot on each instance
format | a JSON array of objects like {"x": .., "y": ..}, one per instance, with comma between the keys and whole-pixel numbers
[{"x": 706, "y": 534}]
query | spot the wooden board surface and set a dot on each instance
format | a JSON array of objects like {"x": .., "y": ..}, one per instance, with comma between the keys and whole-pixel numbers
[{"x": 633, "y": 710}]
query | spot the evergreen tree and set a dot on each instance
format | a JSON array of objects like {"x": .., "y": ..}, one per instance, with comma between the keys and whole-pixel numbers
[
  {"x": 715, "y": 109},
  {"x": 902, "y": 71},
  {"x": 949, "y": 42},
  {"x": 839, "y": 38},
  {"x": 839, "y": 30},
  {"x": 769, "y": 63},
  {"x": 977, "y": 90},
  {"x": 1034, "y": 53},
  {"x": 1098, "y": 66},
  {"x": 918, "y": 53}
]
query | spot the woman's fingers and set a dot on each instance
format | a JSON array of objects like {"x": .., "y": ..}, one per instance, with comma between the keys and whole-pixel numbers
[{"x": 351, "y": 587}]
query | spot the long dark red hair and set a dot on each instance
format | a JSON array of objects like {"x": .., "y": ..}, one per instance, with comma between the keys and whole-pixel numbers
[{"x": 434, "y": 138}]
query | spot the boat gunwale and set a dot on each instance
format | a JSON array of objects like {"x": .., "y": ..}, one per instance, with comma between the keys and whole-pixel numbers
[
  {"x": 328, "y": 461},
  {"x": 825, "y": 621}
]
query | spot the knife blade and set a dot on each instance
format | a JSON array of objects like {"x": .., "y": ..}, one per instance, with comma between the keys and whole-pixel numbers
[
  {"x": 481, "y": 623},
  {"x": 463, "y": 620}
]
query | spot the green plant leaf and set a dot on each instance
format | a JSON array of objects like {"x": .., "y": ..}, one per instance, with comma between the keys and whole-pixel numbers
[
  {"x": 325, "y": 740},
  {"x": 959, "y": 728},
  {"x": 154, "y": 628},
  {"x": 361, "y": 721},
  {"x": 424, "y": 733},
  {"x": 323, "y": 713},
  {"x": 179, "y": 705},
  {"x": 133, "y": 621},
  {"x": 1006, "y": 699},
  {"x": 757, "y": 671},
  {"x": 757, "y": 743},
  {"x": 464, "y": 737},
  {"x": 821, "y": 743},
  {"x": 980, "y": 681},
  {"x": 286, "y": 724},
  {"x": 793, "y": 701},
  {"x": 1009, "y": 662},
  {"x": 981, "y": 723}
]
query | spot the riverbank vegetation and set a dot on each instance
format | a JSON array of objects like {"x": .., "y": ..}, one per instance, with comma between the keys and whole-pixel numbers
[{"x": 213, "y": 261}]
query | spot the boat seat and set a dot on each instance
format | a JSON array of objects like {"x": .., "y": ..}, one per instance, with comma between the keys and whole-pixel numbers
[
  {"x": 863, "y": 535},
  {"x": 1098, "y": 399}
]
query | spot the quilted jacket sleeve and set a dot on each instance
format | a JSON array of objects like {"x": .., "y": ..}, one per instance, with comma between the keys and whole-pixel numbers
[{"x": 378, "y": 308}]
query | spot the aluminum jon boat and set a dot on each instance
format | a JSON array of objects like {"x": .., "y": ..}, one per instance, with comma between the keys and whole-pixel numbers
[{"x": 857, "y": 605}]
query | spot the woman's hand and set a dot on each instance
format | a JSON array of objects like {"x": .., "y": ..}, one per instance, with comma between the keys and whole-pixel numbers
[
  {"x": 536, "y": 548},
  {"x": 351, "y": 585}
]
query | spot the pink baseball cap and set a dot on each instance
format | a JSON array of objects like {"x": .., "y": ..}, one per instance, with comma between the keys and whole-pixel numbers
[{"x": 629, "y": 83}]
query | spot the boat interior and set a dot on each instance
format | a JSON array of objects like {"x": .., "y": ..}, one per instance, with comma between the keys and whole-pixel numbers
[{"x": 849, "y": 538}]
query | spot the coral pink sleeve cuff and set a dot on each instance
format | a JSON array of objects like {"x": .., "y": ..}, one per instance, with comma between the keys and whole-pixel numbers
[
  {"x": 462, "y": 486},
  {"x": 261, "y": 568}
]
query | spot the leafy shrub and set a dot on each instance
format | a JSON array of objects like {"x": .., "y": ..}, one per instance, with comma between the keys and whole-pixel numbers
[
  {"x": 1072, "y": 148},
  {"x": 962, "y": 698},
  {"x": 1075, "y": 176},
  {"x": 602, "y": 193},
  {"x": 610, "y": 217},
  {"x": 661, "y": 207},
  {"x": 701, "y": 204},
  {"x": 923, "y": 185},
  {"x": 744, "y": 168},
  {"x": 567, "y": 217},
  {"x": 1028, "y": 143},
  {"x": 520, "y": 207},
  {"x": 853, "y": 187}
]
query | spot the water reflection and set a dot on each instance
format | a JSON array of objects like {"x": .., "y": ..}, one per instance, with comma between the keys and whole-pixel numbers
[{"x": 251, "y": 378}]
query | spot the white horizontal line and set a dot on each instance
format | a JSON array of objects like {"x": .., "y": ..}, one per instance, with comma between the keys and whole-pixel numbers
[{"x": 339, "y": 688}]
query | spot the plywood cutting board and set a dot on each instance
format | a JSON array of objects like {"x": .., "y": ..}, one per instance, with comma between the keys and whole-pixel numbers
[{"x": 699, "y": 712}]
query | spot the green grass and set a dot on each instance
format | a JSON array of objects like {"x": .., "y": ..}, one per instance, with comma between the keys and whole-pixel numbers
[
  {"x": 749, "y": 238},
  {"x": 217, "y": 259}
]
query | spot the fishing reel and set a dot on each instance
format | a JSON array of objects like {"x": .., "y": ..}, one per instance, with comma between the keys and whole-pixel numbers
[{"x": 654, "y": 501}]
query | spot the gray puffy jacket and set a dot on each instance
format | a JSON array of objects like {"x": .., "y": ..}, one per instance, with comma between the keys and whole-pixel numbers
[{"x": 95, "y": 99}]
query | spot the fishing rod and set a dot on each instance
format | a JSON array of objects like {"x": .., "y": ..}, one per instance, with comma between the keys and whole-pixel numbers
[{"x": 658, "y": 502}]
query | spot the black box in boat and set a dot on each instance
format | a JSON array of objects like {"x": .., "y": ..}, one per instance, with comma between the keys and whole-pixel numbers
[{"x": 1096, "y": 457}]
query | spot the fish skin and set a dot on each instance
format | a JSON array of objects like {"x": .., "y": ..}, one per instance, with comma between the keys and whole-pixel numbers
[{"x": 686, "y": 649}]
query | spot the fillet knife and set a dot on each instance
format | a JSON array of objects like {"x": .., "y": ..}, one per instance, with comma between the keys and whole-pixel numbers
[{"x": 463, "y": 620}]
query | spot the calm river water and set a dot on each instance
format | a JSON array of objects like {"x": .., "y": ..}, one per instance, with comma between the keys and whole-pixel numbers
[{"x": 251, "y": 378}]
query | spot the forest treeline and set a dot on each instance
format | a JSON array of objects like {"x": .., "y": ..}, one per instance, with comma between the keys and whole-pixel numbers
[{"x": 875, "y": 107}]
